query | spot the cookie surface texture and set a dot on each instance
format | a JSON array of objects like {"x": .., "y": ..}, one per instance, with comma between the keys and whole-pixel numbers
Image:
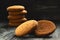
[
  {"x": 45, "y": 27},
  {"x": 25, "y": 27},
  {"x": 15, "y": 7}
]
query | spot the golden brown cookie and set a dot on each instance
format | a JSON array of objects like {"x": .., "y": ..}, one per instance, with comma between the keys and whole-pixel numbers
[
  {"x": 18, "y": 20},
  {"x": 23, "y": 12},
  {"x": 25, "y": 27},
  {"x": 16, "y": 17},
  {"x": 18, "y": 12},
  {"x": 15, "y": 8},
  {"x": 45, "y": 27},
  {"x": 13, "y": 24}
]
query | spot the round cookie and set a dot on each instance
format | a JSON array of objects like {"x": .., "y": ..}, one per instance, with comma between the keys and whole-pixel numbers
[
  {"x": 23, "y": 12},
  {"x": 13, "y": 24},
  {"x": 25, "y": 27},
  {"x": 16, "y": 17},
  {"x": 15, "y": 8},
  {"x": 18, "y": 20},
  {"x": 45, "y": 27},
  {"x": 17, "y": 13}
]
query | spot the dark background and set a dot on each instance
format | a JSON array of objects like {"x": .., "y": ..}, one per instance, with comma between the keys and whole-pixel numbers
[{"x": 37, "y": 9}]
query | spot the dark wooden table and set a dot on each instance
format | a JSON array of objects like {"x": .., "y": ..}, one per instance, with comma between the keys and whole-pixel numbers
[{"x": 7, "y": 33}]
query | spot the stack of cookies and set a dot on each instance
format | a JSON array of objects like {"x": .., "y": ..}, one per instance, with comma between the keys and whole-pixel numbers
[{"x": 16, "y": 15}]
